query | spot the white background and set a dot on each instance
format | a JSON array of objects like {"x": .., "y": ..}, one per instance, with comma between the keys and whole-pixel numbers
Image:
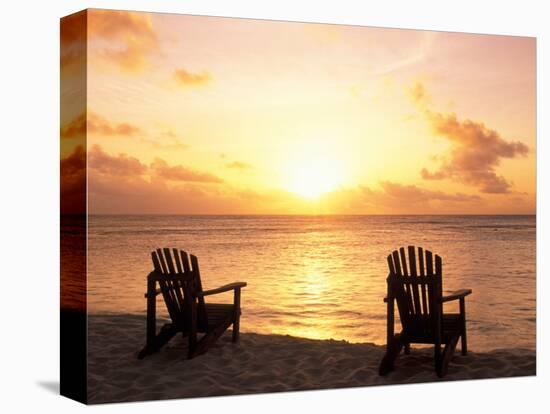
[{"x": 29, "y": 150}]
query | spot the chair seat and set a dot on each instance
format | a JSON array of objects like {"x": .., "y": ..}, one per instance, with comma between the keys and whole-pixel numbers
[
  {"x": 217, "y": 313},
  {"x": 451, "y": 324}
]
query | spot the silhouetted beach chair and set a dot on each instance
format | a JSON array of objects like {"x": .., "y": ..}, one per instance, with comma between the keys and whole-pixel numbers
[
  {"x": 418, "y": 293},
  {"x": 180, "y": 284}
]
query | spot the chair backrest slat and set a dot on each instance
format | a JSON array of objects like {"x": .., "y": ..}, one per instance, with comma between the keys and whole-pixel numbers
[
  {"x": 438, "y": 290},
  {"x": 178, "y": 261},
  {"x": 390, "y": 265},
  {"x": 177, "y": 285},
  {"x": 397, "y": 290},
  {"x": 396, "y": 262},
  {"x": 201, "y": 311},
  {"x": 410, "y": 304},
  {"x": 156, "y": 262},
  {"x": 169, "y": 299},
  {"x": 429, "y": 263},
  {"x": 185, "y": 261},
  {"x": 168, "y": 259},
  {"x": 416, "y": 288},
  {"x": 162, "y": 262},
  {"x": 425, "y": 307},
  {"x": 179, "y": 293},
  {"x": 169, "y": 285}
]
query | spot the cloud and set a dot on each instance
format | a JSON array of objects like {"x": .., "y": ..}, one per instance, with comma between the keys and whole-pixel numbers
[
  {"x": 169, "y": 140},
  {"x": 73, "y": 39},
  {"x": 170, "y": 134},
  {"x": 395, "y": 194},
  {"x": 181, "y": 173},
  {"x": 238, "y": 165},
  {"x": 97, "y": 124},
  {"x": 476, "y": 152},
  {"x": 126, "y": 39},
  {"x": 121, "y": 165},
  {"x": 155, "y": 196},
  {"x": 398, "y": 198},
  {"x": 75, "y": 128},
  {"x": 418, "y": 46},
  {"x": 188, "y": 79},
  {"x": 419, "y": 94},
  {"x": 100, "y": 125},
  {"x": 122, "y": 184},
  {"x": 73, "y": 182}
]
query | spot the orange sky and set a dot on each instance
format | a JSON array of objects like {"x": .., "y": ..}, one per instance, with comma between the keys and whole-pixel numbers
[{"x": 209, "y": 115}]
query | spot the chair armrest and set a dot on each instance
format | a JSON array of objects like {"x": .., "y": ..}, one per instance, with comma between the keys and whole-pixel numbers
[
  {"x": 157, "y": 291},
  {"x": 459, "y": 294},
  {"x": 225, "y": 288}
]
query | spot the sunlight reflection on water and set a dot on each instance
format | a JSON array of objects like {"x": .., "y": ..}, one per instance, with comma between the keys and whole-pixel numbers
[{"x": 324, "y": 276}]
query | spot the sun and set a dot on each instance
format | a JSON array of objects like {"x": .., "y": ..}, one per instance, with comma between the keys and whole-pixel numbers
[{"x": 315, "y": 176}]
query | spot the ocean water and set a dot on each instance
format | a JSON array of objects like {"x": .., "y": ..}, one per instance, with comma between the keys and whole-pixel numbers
[{"x": 324, "y": 276}]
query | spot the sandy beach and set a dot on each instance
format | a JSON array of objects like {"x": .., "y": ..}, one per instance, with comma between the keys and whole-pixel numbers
[{"x": 263, "y": 363}]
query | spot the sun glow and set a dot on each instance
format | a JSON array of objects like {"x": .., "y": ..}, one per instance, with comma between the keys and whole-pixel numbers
[{"x": 314, "y": 177}]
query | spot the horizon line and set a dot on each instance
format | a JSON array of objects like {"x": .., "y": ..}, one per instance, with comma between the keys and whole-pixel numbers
[{"x": 299, "y": 214}]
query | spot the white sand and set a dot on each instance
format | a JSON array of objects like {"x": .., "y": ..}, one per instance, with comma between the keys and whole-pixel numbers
[{"x": 262, "y": 363}]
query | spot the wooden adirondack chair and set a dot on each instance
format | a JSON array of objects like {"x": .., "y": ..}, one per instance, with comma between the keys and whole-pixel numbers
[
  {"x": 180, "y": 284},
  {"x": 418, "y": 293}
]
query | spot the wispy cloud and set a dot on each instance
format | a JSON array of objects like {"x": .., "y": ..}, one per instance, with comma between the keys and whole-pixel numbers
[
  {"x": 121, "y": 164},
  {"x": 75, "y": 128},
  {"x": 168, "y": 140},
  {"x": 73, "y": 39},
  {"x": 186, "y": 78},
  {"x": 417, "y": 53},
  {"x": 73, "y": 182},
  {"x": 181, "y": 173},
  {"x": 126, "y": 39},
  {"x": 397, "y": 195},
  {"x": 238, "y": 165},
  {"x": 96, "y": 124},
  {"x": 419, "y": 95},
  {"x": 100, "y": 125}
]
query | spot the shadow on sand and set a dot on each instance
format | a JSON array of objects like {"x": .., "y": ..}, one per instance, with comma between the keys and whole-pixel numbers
[{"x": 51, "y": 386}]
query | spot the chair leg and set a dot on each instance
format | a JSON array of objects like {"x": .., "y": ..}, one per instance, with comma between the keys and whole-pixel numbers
[
  {"x": 237, "y": 315},
  {"x": 407, "y": 348},
  {"x": 209, "y": 339},
  {"x": 463, "y": 340},
  {"x": 393, "y": 348},
  {"x": 236, "y": 326},
  {"x": 447, "y": 355},
  {"x": 151, "y": 326},
  {"x": 193, "y": 343},
  {"x": 437, "y": 357},
  {"x": 158, "y": 341}
]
